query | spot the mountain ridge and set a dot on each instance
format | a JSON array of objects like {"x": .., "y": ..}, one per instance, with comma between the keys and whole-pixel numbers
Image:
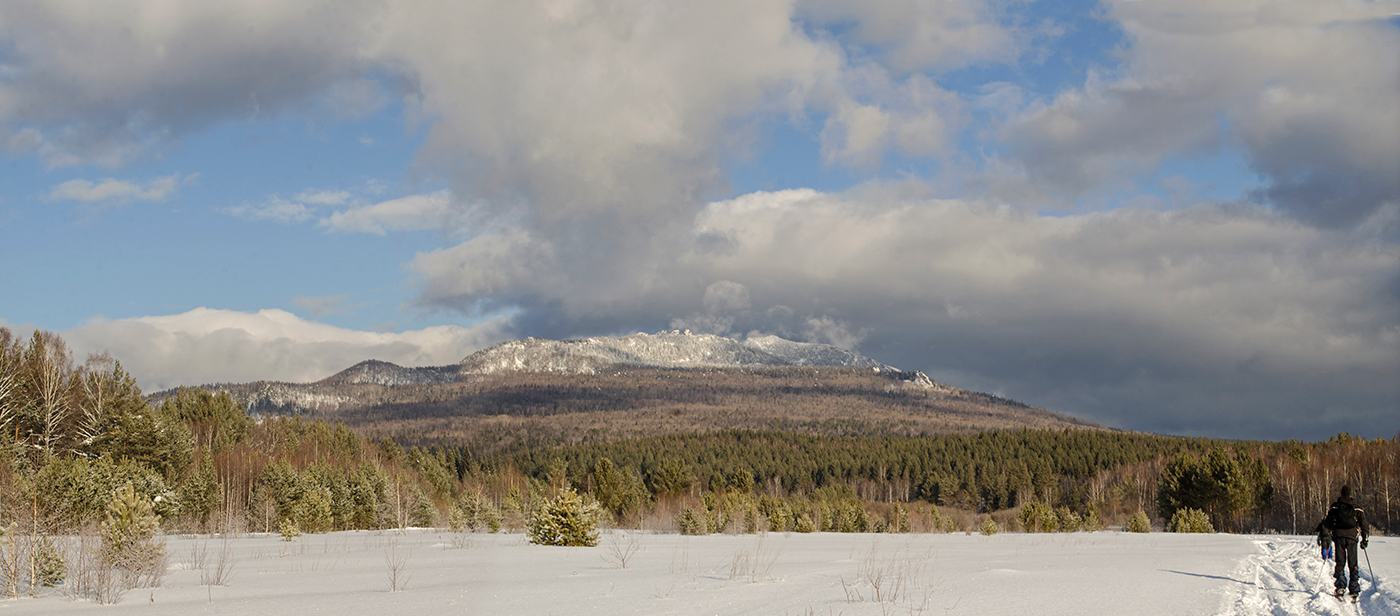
[{"x": 538, "y": 391}]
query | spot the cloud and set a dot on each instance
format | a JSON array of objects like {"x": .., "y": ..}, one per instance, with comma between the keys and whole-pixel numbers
[
  {"x": 108, "y": 84},
  {"x": 207, "y": 346},
  {"x": 318, "y": 307},
  {"x": 119, "y": 191},
  {"x": 916, "y": 35},
  {"x": 1306, "y": 92},
  {"x": 411, "y": 213},
  {"x": 275, "y": 209},
  {"x": 1211, "y": 319},
  {"x": 582, "y": 145},
  {"x": 323, "y": 197},
  {"x": 435, "y": 211}
]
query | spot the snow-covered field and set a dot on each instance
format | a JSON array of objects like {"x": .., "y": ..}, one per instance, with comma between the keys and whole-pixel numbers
[{"x": 349, "y": 574}]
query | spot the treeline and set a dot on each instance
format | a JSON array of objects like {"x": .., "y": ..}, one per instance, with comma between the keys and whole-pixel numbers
[
  {"x": 987, "y": 471},
  {"x": 1240, "y": 486},
  {"x": 73, "y": 435}
]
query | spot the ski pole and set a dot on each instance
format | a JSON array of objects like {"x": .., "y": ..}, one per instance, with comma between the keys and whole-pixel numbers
[{"x": 1368, "y": 568}]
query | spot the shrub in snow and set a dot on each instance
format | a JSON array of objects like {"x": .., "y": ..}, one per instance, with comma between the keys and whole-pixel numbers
[
  {"x": 989, "y": 527},
  {"x": 1139, "y": 523},
  {"x": 1092, "y": 521},
  {"x": 567, "y": 519},
  {"x": 1188, "y": 520},
  {"x": 49, "y": 567},
  {"x": 802, "y": 523},
  {"x": 1038, "y": 518},
  {"x": 1068, "y": 521},
  {"x": 288, "y": 529},
  {"x": 692, "y": 522}
]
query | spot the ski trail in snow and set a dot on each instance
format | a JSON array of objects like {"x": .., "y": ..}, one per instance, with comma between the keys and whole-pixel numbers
[{"x": 1286, "y": 576}]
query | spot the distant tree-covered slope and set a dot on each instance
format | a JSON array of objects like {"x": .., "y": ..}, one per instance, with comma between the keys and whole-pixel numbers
[{"x": 509, "y": 411}]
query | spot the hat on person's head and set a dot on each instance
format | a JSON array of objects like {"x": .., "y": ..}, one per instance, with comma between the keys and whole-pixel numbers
[{"x": 1346, "y": 490}]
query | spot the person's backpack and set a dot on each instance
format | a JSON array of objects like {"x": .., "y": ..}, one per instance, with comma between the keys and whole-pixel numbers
[{"x": 1342, "y": 516}]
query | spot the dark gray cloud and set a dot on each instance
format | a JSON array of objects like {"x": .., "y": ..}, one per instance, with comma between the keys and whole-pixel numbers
[
  {"x": 110, "y": 82},
  {"x": 1307, "y": 92},
  {"x": 1214, "y": 319}
]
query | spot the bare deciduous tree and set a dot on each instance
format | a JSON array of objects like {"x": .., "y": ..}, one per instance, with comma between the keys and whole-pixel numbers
[{"x": 50, "y": 372}]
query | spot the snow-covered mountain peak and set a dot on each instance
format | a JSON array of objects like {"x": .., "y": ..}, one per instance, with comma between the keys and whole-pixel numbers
[
  {"x": 666, "y": 349},
  {"x": 375, "y": 372}
]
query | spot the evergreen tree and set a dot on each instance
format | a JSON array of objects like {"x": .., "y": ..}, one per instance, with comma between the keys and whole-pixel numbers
[
  {"x": 568, "y": 519},
  {"x": 129, "y": 533},
  {"x": 1139, "y": 523},
  {"x": 1188, "y": 520}
]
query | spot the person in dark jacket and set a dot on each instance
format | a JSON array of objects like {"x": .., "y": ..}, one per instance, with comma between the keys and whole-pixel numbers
[
  {"x": 1344, "y": 525},
  {"x": 1324, "y": 540}
]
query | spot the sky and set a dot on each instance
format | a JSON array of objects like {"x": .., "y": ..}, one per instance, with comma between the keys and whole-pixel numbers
[{"x": 1180, "y": 217}]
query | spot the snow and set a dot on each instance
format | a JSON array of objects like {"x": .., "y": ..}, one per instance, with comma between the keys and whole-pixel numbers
[
  {"x": 1085, "y": 574},
  {"x": 660, "y": 350}
]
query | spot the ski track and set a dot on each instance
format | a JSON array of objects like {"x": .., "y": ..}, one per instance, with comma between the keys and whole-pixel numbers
[{"x": 1286, "y": 576}]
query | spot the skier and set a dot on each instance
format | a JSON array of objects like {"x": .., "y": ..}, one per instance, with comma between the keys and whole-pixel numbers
[
  {"x": 1324, "y": 540},
  {"x": 1345, "y": 522}
]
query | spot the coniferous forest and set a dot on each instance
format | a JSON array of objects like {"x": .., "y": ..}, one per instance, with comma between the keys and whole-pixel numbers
[{"x": 85, "y": 454}]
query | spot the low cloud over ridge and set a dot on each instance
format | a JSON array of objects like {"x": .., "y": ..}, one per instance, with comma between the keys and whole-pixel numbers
[
  {"x": 1135, "y": 318},
  {"x": 208, "y": 346}
]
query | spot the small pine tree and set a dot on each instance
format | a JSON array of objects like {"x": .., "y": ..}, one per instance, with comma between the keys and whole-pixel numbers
[
  {"x": 1093, "y": 522},
  {"x": 691, "y": 522},
  {"x": 50, "y": 568},
  {"x": 1069, "y": 521},
  {"x": 1188, "y": 520},
  {"x": 1036, "y": 517},
  {"x": 776, "y": 512},
  {"x": 1139, "y": 523},
  {"x": 853, "y": 517},
  {"x": 802, "y": 523},
  {"x": 989, "y": 527},
  {"x": 288, "y": 529},
  {"x": 129, "y": 531},
  {"x": 567, "y": 520}
]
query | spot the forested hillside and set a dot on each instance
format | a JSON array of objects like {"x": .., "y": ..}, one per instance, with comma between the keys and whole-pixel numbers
[
  {"x": 83, "y": 453},
  {"x": 517, "y": 410}
]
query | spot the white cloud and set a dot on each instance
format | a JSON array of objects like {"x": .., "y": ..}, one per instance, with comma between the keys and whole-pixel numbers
[
  {"x": 119, "y": 191},
  {"x": 318, "y": 307},
  {"x": 414, "y": 212},
  {"x": 916, "y": 35},
  {"x": 1307, "y": 91},
  {"x": 275, "y": 209},
  {"x": 323, "y": 197},
  {"x": 208, "y": 346}
]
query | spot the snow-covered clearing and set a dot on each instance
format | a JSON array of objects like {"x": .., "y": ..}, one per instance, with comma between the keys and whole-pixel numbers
[{"x": 348, "y": 574}]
